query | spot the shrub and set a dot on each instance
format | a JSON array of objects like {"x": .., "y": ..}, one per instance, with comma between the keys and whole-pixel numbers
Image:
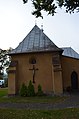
[
  {"x": 23, "y": 90},
  {"x": 6, "y": 82},
  {"x": 40, "y": 92},
  {"x": 68, "y": 89},
  {"x": 31, "y": 90}
]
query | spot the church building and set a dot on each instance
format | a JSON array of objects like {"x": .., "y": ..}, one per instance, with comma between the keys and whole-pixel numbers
[{"x": 38, "y": 59}]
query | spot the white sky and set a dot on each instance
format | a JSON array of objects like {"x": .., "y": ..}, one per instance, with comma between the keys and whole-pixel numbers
[{"x": 16, "y": 21}]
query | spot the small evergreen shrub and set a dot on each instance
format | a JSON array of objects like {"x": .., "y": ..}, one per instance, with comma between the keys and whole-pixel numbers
[
  {"x": 68, "y": 89},
  {"x": 31, "y": 90},
  {"x": 6, "y": 82},
  {"x": 23, "y": 90},
  {"x": 40, "y": 92}
]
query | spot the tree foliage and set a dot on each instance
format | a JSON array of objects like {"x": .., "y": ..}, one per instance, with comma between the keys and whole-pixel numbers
[
  {"x": 50, "y": 6},
  {"x": 4, "y": 60}
]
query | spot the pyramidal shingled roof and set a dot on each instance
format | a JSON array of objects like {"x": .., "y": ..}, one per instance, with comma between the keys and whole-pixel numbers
[{"x": 35, "y": 41}]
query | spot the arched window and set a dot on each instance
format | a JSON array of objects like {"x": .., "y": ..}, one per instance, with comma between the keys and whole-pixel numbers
[{"x": 32, "y": 61}]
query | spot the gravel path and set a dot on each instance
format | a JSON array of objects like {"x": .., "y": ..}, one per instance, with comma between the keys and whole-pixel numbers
[{"x": 72, "y": 101}]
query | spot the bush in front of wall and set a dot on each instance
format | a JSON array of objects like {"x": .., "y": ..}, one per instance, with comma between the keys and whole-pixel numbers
[
  {"x": 40, "y": 92},
  {"x": 23, "y": 90},
  {"x": 31, "y": 90}
]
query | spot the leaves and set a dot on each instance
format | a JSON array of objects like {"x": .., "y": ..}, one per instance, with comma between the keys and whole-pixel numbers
[
  {"x": 60, "y": 3},
  {"x": 25, "y": 1},
  {"x": 50, "y": 6},
  {"x": 71, "y": 5},
  {"x": 4, "y": 60},
  {"x": 43, "y": 5}
]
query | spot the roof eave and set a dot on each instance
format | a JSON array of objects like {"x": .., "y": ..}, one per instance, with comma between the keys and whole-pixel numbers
[{"x": 59, "y": 50}]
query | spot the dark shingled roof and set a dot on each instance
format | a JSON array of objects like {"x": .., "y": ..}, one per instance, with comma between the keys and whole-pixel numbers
[
  {"x": 69, "y": 52},
  {"x": 35, "y": 41}
]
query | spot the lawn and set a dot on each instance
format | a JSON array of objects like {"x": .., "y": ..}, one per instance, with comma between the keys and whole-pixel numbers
[
  {"x": 3, "y": 92},
  {"x": 39, "y": 114},
  {"x": 42, "y": 99},
  {"x": 71, "y": 113}
]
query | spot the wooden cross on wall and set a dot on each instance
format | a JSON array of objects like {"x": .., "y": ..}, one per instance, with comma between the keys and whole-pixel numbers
[{"x": 34, "y": 70}]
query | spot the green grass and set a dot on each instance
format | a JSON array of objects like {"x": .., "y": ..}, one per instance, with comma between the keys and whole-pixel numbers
[
  {"x": 3, "y": 92},
  {"x": 72, "y": 113},
  {"x": 44, "y": 99},
  {"x": 39, "y": 114},
  {"x": 18, "y": 99}
]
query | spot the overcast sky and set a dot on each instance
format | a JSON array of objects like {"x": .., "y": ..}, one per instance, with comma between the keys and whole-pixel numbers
[{"x": 16, "y": 21}]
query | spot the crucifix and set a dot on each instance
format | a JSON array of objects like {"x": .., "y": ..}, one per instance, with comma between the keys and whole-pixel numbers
[{"x": 34, "y": 69}]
